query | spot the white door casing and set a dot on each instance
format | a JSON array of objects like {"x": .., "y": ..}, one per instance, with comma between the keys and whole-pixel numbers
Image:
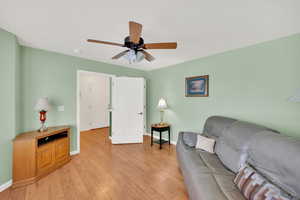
[{"x": 128, "y": 113}]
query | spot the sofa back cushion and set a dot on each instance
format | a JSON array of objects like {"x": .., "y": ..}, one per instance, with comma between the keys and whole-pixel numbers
[
  {"x": 229, "y": 156},
  {"x": 277, "y": 157},
  {"x": 232, "y": 146},
  {"x": 239, "y": 134},
  {"x": 215, "y": 125}
]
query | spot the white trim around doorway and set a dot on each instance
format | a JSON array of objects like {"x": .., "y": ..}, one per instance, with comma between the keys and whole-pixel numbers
[{"x": 77, "y": 151}]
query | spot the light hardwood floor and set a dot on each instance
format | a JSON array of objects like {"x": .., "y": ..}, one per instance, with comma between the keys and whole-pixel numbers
[{"x": 104, "y": 171}]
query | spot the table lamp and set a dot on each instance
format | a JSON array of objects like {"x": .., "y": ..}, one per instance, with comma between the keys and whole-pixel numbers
[
  {"x": 162, "y": 105},
  {"x": 42, "y": 106}
]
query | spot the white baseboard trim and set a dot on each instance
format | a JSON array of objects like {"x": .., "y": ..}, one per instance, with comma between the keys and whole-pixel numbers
[
  {"x": 6, "y": 185},
  {"x": 72, "y": 153},
  {"x": 173, "y": 142},
  {"x": 157, "y": 137}
]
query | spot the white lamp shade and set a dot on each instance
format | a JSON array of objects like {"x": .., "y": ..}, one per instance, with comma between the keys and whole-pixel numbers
[
  {"x": 295, "y": 97},
  {"x": 42, "y": 104},
  {"x": 162, "y": 104}
]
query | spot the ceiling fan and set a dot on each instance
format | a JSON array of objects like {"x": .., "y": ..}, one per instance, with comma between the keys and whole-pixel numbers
[{"x": 135, "y": 44}]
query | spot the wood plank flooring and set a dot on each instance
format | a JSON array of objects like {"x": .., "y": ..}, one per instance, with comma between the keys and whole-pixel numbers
[{"x": 105, "y": 171}]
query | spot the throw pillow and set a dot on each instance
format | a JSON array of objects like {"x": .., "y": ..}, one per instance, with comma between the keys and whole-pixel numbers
[
  {"x": 243, "y": 178},
  {"x": 255, "y": 187},
  {"x": 205, "y": 143},
  {"x": 270, "y": 191}
]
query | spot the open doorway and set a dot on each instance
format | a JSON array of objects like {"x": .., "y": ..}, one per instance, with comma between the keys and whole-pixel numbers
[{"x": 93, "y": 103}]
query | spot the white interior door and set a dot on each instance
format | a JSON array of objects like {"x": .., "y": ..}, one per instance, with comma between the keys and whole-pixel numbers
[{"x": 128, "y": 113}]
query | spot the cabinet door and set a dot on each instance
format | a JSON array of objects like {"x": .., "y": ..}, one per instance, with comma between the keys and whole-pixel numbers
[
  {"x": 61, "y": 150},
  {"x": 45, "y": 158}
]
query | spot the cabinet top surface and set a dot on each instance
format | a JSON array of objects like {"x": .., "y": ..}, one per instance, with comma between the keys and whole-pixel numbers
[
  {"x": 163, "y": 125},
  {"x": 37, "y": 134}
]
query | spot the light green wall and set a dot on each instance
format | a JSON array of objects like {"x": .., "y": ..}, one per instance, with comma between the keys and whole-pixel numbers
[
  {"x": 251, "y": 83},
  {"x": 53, "y": 75},
  {"x": 9, "y": 104}
]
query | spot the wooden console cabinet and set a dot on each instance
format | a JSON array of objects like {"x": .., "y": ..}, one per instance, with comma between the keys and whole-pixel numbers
[{"x": 36, "y": 154}]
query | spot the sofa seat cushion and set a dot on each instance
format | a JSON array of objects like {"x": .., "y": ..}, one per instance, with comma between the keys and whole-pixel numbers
[
  {"x": 189, "y": 159},
  {"x": 222, "y": 176},
  {"x": 211, "y": 186},
  {"x": 213, "y": 163},
  {"x": 203, "y": 186},
  {"x": 228, "y": 187},
  {"x": 204, "y": 174}
]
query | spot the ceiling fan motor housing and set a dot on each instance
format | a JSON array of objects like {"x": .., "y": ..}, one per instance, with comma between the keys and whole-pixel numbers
[{"x": 133, "y": 46}]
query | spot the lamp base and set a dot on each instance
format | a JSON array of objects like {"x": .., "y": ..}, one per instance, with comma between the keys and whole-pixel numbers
[
  {"x": 43, "y": 128},
  {"x": 162, "y": 123}
]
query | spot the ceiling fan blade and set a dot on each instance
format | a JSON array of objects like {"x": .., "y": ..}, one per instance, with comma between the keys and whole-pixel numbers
[
  {"x": 120, "y": 55},
  {"x": 165, "y": 45},
  {"x": 104, "y": 42},
  {"x": 148, "y": 56},
  {"x": 135, "y": 31}
]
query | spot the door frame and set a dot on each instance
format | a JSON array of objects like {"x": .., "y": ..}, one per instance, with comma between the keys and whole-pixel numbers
[{"x": 79, "y": 72}]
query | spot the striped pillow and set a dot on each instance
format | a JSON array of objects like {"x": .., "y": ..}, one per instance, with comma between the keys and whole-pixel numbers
[{"x": 255, "y": 187}]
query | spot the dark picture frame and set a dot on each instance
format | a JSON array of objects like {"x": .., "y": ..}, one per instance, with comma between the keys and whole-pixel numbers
[{"x": 197, "y": 86}]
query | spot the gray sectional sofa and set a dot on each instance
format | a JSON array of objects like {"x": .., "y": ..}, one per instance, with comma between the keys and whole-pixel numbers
[{"x": 210, "y": 176}]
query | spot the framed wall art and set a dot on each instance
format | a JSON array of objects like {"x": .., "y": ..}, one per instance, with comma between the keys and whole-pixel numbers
[{"x": 197, "y": 86}]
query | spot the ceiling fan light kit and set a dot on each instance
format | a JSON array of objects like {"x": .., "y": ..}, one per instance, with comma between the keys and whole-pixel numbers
[
  {"x": 135, "y": 44},
  {"x": 134, "y": 56}
]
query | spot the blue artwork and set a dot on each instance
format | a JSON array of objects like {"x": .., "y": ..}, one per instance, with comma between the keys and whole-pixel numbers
[{"x": 197, "y": 86}]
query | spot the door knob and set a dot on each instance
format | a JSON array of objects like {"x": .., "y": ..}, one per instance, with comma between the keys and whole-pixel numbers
[{"x": 140, "y": 113}]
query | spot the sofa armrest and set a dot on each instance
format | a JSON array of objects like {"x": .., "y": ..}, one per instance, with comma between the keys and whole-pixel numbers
[{"x": 188, "y": 138}]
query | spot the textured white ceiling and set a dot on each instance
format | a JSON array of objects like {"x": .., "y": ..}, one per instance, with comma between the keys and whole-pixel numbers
[{"x": 201, "y": 27}]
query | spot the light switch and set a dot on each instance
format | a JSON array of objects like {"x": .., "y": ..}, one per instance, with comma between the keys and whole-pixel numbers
[{"x": 61, "y": 108}]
